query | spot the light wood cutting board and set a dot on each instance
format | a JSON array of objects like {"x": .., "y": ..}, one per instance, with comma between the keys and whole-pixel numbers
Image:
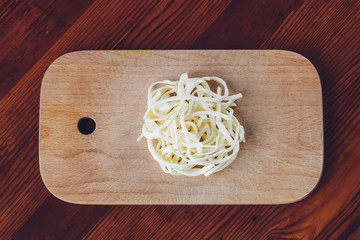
[{"x": 281, "y": 111}]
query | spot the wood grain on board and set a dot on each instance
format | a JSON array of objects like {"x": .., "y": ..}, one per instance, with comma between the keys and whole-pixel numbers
[
  {"x": 281, "y": 111},
  {"x": 33, "y": 33}
]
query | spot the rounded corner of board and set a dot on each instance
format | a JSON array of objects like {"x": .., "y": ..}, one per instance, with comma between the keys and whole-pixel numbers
[
  {"x": 306, "y": 193},
  {"x": 297, "y": 55},
  {"x": 306, "y": 61},
  {"x": 52, "y": 190},
  {"x": 64, "y": 57},
  {"x": 61, "y": 197},
  {"x": 70, "y": 55}
]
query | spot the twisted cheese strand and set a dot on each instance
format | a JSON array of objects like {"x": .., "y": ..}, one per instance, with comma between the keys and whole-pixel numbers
[{"x": 195, "y": 129}]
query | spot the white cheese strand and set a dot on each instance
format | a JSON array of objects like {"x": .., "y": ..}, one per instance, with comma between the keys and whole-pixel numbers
[{"x": 190, "y": 129}]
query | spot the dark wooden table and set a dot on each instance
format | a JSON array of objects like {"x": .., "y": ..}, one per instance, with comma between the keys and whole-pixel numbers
[{"x": 34, "y": 33}]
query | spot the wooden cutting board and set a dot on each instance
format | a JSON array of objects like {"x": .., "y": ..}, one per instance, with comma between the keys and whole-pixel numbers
[{"x": 281, "y": 111}]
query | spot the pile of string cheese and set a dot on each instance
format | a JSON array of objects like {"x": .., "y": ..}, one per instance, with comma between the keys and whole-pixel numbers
[{"x": 190, "y": 129}]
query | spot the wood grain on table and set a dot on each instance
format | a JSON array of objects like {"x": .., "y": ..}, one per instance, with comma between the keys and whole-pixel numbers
[{"x": 34, "y": 33}]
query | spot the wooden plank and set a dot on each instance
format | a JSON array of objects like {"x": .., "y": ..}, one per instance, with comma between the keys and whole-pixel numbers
[
  {"x": 28, "y": 29},
  {"x": 281, "y": 111},
  {"x": 241, "y": 34}
]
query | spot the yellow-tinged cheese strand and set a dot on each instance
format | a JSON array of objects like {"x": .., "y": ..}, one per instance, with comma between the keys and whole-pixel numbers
[{"x": 190, "y": 129}]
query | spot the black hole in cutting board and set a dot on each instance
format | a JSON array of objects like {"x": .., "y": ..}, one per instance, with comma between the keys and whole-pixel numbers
[{"x": 86, "y": 125}]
